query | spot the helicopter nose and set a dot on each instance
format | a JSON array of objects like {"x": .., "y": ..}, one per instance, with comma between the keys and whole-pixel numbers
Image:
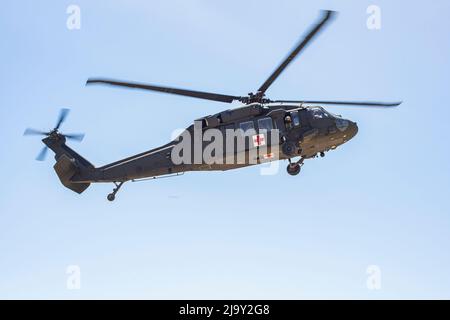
[{"x": 352, "y": 129}]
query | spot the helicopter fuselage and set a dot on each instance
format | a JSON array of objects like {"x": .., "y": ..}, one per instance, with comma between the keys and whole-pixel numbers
[{"x": 274, "y": 132}]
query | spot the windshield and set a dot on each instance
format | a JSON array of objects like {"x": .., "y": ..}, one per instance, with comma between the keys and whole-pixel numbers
[
  {"x": 335, "y": 115},
  {"x": 320, "y": 113}
]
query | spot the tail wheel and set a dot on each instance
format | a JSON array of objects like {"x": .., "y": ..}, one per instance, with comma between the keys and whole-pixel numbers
[{"x": 112, "y": 195}]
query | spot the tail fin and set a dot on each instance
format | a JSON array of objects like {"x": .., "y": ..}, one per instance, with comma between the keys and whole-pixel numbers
[
  {"x": 69, "y": 164},
  {"x": 66, "y": 168}
]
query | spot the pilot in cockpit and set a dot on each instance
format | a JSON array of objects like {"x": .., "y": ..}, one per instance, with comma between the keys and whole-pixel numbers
[{"x": 288, "y": 122}]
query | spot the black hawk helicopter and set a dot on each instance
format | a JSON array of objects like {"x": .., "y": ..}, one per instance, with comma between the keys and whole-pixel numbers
[{"x": 302, "y": 131}]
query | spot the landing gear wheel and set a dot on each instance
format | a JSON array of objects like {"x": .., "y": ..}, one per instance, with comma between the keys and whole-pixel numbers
[
  {"x": 112, "y": 195},
  {"x": 322, "y": 154},
  {"x": 293, "y": 169}
]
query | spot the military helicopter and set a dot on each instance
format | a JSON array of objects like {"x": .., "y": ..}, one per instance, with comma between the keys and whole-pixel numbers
[{"x": 301, "y": 130}]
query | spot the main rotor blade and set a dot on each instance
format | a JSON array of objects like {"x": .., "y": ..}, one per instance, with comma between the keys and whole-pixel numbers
[
  {"x": 62, "y": 117},
  {"x": 346, "y": 103},
  {"x": 41, "y": 156},
  {"x": 326, "y": 15},
  {"x": 34, "y": 132},
  {"x": 182, "y": 92},
  {"x": 75, "y": 136}
]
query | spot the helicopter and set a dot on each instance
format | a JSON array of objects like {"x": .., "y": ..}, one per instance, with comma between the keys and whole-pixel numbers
[{"x": 271, "y": 130}]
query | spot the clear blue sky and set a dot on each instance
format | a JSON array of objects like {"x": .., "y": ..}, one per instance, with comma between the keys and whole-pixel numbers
[{"x": 381, "y": 199}]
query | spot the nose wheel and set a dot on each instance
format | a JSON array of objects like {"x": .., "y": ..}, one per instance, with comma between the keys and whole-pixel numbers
[
  {"x": 112, "y": 195},
  {"x": 294, "y": 168}
]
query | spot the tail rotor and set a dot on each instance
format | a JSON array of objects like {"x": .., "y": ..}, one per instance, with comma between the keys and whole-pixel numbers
[{"x": 53, "y": 134}]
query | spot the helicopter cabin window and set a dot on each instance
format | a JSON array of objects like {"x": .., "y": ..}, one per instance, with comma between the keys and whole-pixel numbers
[
  {"x": 265, "y": 124},
  {"x": 229, "y": 127},
  {"x": 248, "y": 125}
]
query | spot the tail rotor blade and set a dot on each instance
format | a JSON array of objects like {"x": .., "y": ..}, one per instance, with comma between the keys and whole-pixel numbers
[
  {"x": 41, "y": 156},
  {"x": 62, "y": 117},
  {"x": 75, "y": 136},
  {"x": 53, "y": 136},
  {"x": 34, "y": 132}
]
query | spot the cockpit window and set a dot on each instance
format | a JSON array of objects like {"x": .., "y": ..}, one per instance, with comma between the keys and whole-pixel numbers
[
  {"x": 335, "y": 115},
  {"x": 295, "y": 118},
  {"x": 319, "y": 113},
  {"x": 292, "y": 119}
]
